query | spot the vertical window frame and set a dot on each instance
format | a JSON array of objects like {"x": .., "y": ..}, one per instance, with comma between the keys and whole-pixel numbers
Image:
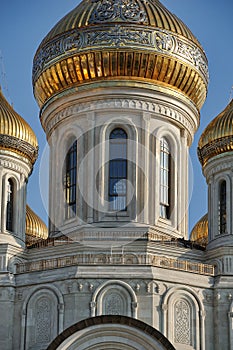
[
  {"x": 115, "y": 166},
  {"x": 165, "y": 179},
  {"x": 222, "y": 207},
  {"x": 10, "y": 189},
  {"x": 70, "y": 181}
]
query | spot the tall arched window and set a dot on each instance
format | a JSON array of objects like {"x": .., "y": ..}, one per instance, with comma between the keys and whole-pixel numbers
[
  {"x": 70, "y": 181},
  {"x": 165, "y": 170},
  {"x": 222, "y": 208},
  {"x": 117, "y": 189},
  {"x": 10, "y": 205}
]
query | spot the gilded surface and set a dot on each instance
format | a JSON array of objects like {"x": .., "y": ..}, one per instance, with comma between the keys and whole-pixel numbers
[
  {"x": 122, "y": 10},
  {"x": 35, "y": 227},
  {"x": 15, "y": 133},
  {"x": 217, "y": 138},
  {"x": 136, "y": 39},
  {"x": 199, "y": 233}
]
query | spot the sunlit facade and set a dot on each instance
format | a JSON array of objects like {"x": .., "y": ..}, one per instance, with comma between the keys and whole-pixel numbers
[{"x": 120, "y": 85}]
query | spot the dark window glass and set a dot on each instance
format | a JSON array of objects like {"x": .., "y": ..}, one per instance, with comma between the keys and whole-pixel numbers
[
  {"x": 70, "y": 181},
  {"x": 10, "y": 205},
  {"x": 117, "y": 189},
  {"x": 164, "y": 179},
  {"x": 222, "y": 208}
]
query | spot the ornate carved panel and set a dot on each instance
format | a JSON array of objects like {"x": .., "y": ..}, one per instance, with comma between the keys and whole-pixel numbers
[
  {"x": 113, "y": 304},
  {"x": 43, "y": 320},
  {"x": 183, "y": 324}
]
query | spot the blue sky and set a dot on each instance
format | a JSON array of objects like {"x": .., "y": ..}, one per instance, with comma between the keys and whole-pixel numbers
[{"x": 24, "y": 23}]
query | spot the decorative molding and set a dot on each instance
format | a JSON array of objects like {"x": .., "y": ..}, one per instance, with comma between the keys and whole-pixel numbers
[
  {"x": 19, "y": 166},
  {"x": 119, "y": 35},
  {"x": 20, "y": 146},
  {"x": 116, "y": 259},
  {"x": 109, "y": 10},
  {"x": 121, "y": 103},
  {"x": 217, "y": 165}
]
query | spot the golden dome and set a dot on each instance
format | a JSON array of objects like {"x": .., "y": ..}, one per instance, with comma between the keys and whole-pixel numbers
[
  {"x": 15, "y": 133},
  {"x": 115, "y": 40},
  {"x": 217, "y": 137},
  {"x": 35, "y": 228},
  {"x": 199, "y": 233}
]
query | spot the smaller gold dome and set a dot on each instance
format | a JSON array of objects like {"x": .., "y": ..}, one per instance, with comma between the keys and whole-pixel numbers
[
  {"x": 199, "y": 233},
  {"x": 35, "y": 228},
  {"x": 217, "y": 137},
  {"x": 15, "y": 133}
]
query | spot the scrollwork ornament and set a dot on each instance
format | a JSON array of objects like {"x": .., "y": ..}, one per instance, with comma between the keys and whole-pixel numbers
[
  {"x": 164, "y": 41},
  {"x": 122, "y": 10},
  {"x": 72, "y": 42}
]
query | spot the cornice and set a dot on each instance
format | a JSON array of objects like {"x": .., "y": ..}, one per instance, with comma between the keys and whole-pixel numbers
[{"x": 162, "y": 108}]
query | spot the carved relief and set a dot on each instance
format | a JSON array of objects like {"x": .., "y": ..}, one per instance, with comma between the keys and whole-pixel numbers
[
  {"x": 19, "y": 145},
  {"x": 124, "y": 10},
  {"x": 42, "y": 320},
  {"x": 182, "y": 322},
  {"x": 113, "y": 304},
  {"x": 121, "y": 103},
  {"x": 164, "y": 41},
  {"x": 119, "y": 35}
]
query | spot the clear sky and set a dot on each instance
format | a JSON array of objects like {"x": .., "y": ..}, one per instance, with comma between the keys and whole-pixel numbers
[{"x": 24, "y": 23}]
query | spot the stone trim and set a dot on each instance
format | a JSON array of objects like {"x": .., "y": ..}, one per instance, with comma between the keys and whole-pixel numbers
[
  {"x": 112, "y": 319},
  {"x": 121, "y": 103}
]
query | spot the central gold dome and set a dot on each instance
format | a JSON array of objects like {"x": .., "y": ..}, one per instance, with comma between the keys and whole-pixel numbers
[{"x": 120, "y": 40}]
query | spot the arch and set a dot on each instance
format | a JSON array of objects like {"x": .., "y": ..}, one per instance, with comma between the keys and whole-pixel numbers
[
  {"x": 172, "y": 213},
  {"x": 165, "y": 178},
  {"x": 10, "y": 222},
  {"x": 10, "y": 205},
  {"x": 216, "y": 218},
  {"x": 44, "y": 305},
  {"x": 191, "y": 313},
  {"x": 126, "y": 303},
  {"x": 60, "y": 142},
  {"x": 70, "y": 181},
  {"x": 112, "y": 332},
  {"x": 118, "y": 172},
  {"x": 130, "y": 129}
]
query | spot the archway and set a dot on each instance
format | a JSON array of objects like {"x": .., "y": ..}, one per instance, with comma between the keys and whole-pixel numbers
[{"x": 111, "y": 332}]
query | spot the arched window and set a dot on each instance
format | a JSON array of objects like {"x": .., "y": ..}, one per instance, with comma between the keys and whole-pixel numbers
[
  {"x": 222, "y": 208},
  {"x": 70, "y": 181},
  {"x": 117, "y": 189},
  {"x": 10, "y": 205},
  {"x": 165, "y": 171}
]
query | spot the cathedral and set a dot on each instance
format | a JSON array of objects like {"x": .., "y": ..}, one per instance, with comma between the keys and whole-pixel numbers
[{"x": 120, "y": 85}]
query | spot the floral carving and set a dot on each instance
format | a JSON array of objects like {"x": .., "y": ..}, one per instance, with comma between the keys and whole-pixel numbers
[{"x": 124, "y": 10}]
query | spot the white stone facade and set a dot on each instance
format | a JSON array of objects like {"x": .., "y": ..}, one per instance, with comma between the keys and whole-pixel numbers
[{"x": 118, "y": 265}]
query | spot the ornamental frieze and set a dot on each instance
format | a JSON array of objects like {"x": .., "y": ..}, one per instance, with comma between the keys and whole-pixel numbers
[
  {"x": 10, "y": 142},
  {"x": 119, "y": 36},
  {"x": 122, "y": 104}
]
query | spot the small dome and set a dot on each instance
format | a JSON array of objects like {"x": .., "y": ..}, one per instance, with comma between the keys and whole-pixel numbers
[
  {"x": 217, "y": 137},
  {"x": 109, "y": 40},
  {"x": 15, "y": 133},
  {"x": 35, "y": 228},
  {"x": 199, "y": 233}
]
